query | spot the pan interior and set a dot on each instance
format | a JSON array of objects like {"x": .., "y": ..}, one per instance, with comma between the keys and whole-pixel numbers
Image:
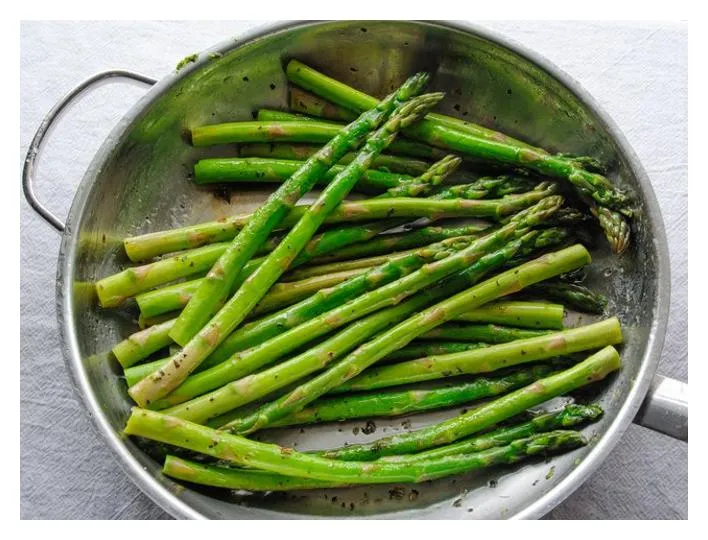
[{"x": 140, "y": 182}]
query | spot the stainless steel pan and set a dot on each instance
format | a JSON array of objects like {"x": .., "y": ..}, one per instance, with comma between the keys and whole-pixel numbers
[{"x": 137, "y": 183}]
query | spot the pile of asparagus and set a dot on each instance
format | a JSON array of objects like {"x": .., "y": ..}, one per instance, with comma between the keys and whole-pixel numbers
[{"x": 346, "y": 309}]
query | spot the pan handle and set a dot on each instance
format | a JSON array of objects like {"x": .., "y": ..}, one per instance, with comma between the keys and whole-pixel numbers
[
  {"x": 665, "y": 408},
  {"x": 49, "y": 121}
]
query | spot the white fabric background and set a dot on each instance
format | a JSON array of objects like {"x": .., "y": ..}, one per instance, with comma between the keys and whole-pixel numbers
[{"x": 637, "y": 72}]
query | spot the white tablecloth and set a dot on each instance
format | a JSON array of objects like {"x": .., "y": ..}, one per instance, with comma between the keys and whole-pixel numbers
[{"x": 637, "y": 72}]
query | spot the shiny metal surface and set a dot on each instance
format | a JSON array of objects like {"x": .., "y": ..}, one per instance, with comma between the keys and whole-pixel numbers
[
  {"x": 665, "y": 408},
  {"x": 46, "y": 126},
  {"x": 139, "y": 181}
]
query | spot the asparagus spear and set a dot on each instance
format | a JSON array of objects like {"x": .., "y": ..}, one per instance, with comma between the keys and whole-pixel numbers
[
  {"x": 286, "y": 461},
  {"x": 521, "y": 314},
  {"x": 485, "y": 333},
  {"x": 142, "y": 344},
  {"x": 592, "y": 336},
  {"x": 114, "y": 289},
  {"x": 218, "y": 231},
  {"x": 570, "y": 415},
  {"x": 490, "y": 145},
  {"x": 304, "y": 102},
  {"x": 299, "y": 152},
  {"x": 500, "y": 285},
  {"x": 531, "y": 314},
  {"x": 259, "y": 331},
  {"x": 573, "y": 295},
  {"x": 175, "y": 297},
  {"x": 328, "y": 299},
  {"x": 388, "y": 243},
  {"x": 594, "y": 368},
  {"x": 200, "y": 341},
  {"x": 432, "y": 177},
  {"x": 266, "y": 382},
  {"x": 220, "y": 279},
  {"x": 387, "y": 404},
  {"x": 295, "y": 129},
  {"x": 256, "y": 480},
  {"x": 472, "y": 139},
  {"x": 423, "y": 349},
  {"x": 486, "y": 187},
  {"x": 253, "y": 169}
]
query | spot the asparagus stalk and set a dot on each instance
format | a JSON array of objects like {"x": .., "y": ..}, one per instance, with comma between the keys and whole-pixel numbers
[
  {"x": 469, "y": 138},
  {"x": 312, "y": 321},
  {"x": 570, "y": 415},
  {"x": 398, "y": 403},
  {"x": 114, "y": 289},
  {"x": 188, "y": 330},
  {"x": 175, "y": 297},
  {"x": 142, "y": 344},
  {"x": 286, "y": 461},
  {"x": 485, "y": 333},
  {"x": 293, "y": 130},
  {"x": 218, "y": 231},
  {"x": 253, "y": 169},
  {"x": 259, "y": 331},
  {"x": 423, "y": 349},
  {"x": 266, "y": 382},
  {"x": 573, "y": 295},
  {"x": 299, "y": 152},
  {"x": 304, "y": 102},
  {"x": 256, "y": 480},
  {"x": 432, "y": 177},
  {"x": 593, "y": 368},
  {"x": 592, "y": 336},
  {"x": 521, "y": 314},
  {"x": 487, "y": 144},
  {"x": 248, "y": 389},
  {"x": 501, "y": 310},
  {"x": 501, "y": 285},
  {"x": 221, "y": 277},
  {"x": 486, "y": 187},
  {"x": 388, "y": 243}
]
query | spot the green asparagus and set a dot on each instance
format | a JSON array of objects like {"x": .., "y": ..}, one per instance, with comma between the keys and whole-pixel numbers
[
  {"x": 253, "y": 169},
  {"x": 501, "y": 285},
  {"x": 257, "y": 480},
  {"x": 253, "y": 387},
  {"x": 573, "y": 295},
  {"x": 189, "y": 330},
  {"x": 570, "y": 415},
  {"x": 299, "y": 152},
  {"x": 422, "y": 349},
  {"x": 521, "y": 314},
  {"x": 304, "y": 102},
  {"x": 487, "y": 144},
  {"x": 594, "y": 368},
  {"x": 286, "y": 461},
  {"x": 592, "y": 336},
  {"x": 485, "y": 333},
  {"x": 398, "y": 403}
]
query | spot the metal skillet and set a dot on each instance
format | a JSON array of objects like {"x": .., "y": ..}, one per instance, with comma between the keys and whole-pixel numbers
[{"x": 136, "y": 183}]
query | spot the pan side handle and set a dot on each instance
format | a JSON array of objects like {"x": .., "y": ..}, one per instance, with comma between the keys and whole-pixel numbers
[
  {"x": 49, "y": 121},
  {"x": 665, "y": 408}
]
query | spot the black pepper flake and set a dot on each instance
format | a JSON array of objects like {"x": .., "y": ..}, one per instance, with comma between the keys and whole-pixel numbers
[
  {"x": 369, "y": 428},
  {"x": 272, "y": 86},
  {"x": 245, "y": 79},
  {"x": 457, "y": 503},
  {"x": 492, "y": 483},
  {"x": 396, "y": 493},
  {"x": 355, "y": 431}
]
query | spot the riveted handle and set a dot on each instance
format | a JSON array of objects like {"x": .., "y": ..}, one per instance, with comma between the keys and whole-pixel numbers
[
  {"x": 50, "y": 120},
  {"x": 665, "y": 409}
]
